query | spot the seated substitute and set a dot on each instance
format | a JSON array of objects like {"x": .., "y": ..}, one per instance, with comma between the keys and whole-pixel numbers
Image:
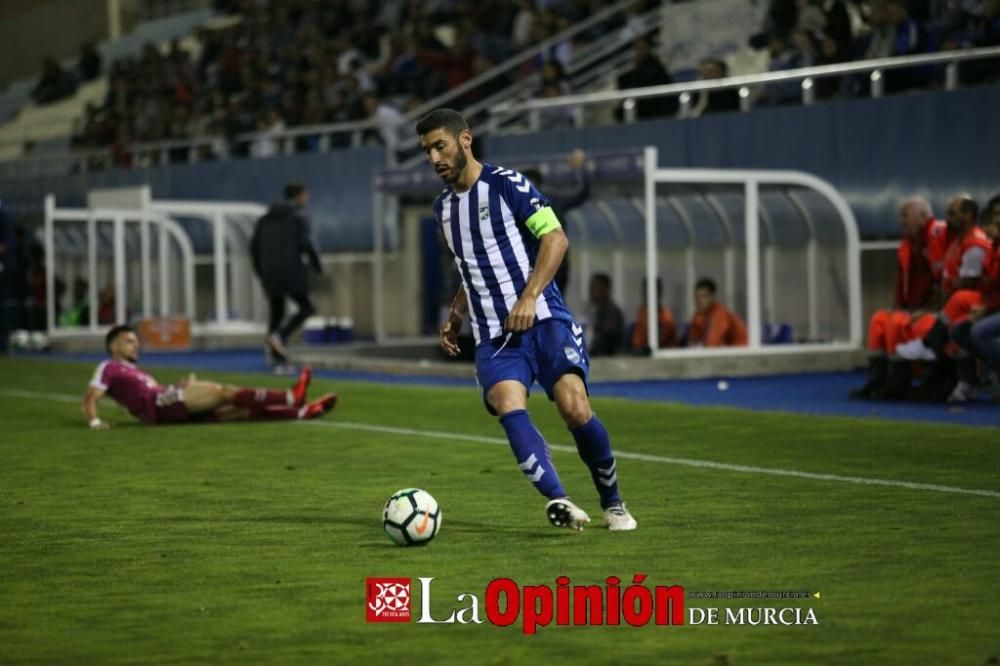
[
  {"x": 964, "y": 274},
  {"x": 607, "y": 322},
  {"x": 191, "y": 400},
  {"x": 713, "y": 325},
  {"x": 917, "y": 287},
  {"x": 639, "y": 342}
]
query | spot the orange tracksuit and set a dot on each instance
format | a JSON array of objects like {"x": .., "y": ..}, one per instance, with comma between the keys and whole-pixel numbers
[
  {"x": 668, "y": 331},
  {"x": 718, "y": 327},
  {"x": 919, "y": 265}
]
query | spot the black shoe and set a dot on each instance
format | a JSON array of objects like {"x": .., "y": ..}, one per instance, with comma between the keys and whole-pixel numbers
[
  {"x": 878, "y": 372},
  {"x": 898, "y": 381}
]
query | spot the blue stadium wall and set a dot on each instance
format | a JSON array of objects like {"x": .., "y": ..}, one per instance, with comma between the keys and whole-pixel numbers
[
  {"x": 340, "y": 183},
  {"x": 874, "y": 151}
]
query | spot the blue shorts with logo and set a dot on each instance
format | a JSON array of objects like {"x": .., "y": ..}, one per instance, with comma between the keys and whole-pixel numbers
[{"x": 543, "y": 353}]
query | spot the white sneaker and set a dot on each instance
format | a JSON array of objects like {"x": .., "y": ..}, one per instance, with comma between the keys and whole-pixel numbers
[
  {"x": 915, "y": 350},
  {"x": 617, "y": 517},
  {"x": 563, "y": 513},
  {"x": 961, "y": 393}
]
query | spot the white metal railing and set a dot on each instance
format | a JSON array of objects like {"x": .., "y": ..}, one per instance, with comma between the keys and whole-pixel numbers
[
  {"x": 751, "y": 180},
  {"x": 119, "y": 217},
  {"x": 874, "y": 68},
  {"x": 232, "y": 226}
]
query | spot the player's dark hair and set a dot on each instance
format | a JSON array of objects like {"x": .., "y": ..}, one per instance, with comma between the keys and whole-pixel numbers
[
  {"x": 969, "y": 206},
  {"x": 706, "y": 283},
  {"x": 293, "y": 190},
  {"x": 447, "y": 119},
  {"x": 114, "y": 333}
]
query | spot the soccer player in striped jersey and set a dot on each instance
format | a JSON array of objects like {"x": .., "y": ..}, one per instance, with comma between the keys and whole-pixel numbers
[{"x": 508, "y": 245}]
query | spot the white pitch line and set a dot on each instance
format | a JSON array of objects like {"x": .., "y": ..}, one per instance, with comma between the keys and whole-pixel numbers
[
  {"x": 36, "y": 395},
  {"x": 626, "y": 455},
  {"x": 666, "y": 460}
]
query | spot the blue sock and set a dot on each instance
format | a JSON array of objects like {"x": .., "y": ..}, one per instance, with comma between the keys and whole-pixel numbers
[
  {"x": 594, "y": 447},
  {"x": 532, "y": 453}
]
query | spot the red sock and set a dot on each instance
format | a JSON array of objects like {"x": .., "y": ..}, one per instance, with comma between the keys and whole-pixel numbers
[
  {"x": 274, "y": 414},
  {"x": 254, "y": 398}
]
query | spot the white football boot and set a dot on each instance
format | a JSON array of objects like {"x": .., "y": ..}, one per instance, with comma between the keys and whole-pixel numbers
[
  {"x": 617, "y": 517},
  {"x": 563, "y": 513}
]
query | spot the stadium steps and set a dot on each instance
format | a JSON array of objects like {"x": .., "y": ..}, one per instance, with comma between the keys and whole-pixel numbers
[
  {"x": 52, "y": 121},
  {"x": 15, "y": 99}
]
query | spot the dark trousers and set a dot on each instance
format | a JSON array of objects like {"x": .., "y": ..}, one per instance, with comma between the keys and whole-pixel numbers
[
  {"x": 985, "y": 336},
  {"x": 276, "y": 303},
  {"x": 981, "y": 339}
]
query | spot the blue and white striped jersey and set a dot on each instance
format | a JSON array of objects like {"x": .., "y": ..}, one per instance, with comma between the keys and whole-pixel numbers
[{"x": 487, "y": 229}]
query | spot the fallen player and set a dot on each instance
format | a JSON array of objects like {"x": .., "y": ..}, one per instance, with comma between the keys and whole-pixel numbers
[{"x": 191, "y": 400}]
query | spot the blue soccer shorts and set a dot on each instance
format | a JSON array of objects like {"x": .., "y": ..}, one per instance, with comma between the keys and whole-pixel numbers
[{"x": 543, "y": 353}]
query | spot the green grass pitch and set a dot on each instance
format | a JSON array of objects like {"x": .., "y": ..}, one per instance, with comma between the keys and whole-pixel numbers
[{"x": 251, "y": 543}]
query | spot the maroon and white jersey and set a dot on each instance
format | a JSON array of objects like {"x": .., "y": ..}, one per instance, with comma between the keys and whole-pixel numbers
[{"x": 130, "y": 387}]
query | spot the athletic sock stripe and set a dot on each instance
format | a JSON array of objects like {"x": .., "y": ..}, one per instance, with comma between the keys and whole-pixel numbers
[{"x": 529, "y": 463}]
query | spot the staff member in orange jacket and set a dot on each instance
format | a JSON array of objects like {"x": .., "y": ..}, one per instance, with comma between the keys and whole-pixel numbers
[
  {"x": 977, "y": 334},
  {"x": 919, "y": 262},
  {"x": 965, "y": 265},
  {"x": 713, "y": 325},
  {"x": 668, "y": 331}
]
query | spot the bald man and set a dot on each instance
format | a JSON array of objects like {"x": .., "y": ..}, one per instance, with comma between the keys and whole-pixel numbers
[
  {"x": 966, "y": 262},
  {"x": 919, "y": 265}
]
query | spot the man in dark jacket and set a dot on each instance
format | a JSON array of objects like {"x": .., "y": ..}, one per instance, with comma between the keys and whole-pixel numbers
[
  {"x": 280, "y": 240},
  {"x": 647, "y": 70},
  {"x": 607, "y": 323}
]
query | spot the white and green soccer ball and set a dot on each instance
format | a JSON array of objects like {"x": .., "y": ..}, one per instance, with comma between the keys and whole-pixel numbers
[{"x": 411, "y": 517}]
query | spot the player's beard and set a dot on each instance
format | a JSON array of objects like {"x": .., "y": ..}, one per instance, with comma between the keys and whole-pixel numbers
[{"x": 456, "y": 168}]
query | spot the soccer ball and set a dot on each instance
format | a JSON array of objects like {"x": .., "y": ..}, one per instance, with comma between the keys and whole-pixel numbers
[{"x": 411, "y": 517}]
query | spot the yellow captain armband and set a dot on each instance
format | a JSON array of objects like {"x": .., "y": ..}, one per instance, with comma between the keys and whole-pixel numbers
[{"x": 542, "y": 222}]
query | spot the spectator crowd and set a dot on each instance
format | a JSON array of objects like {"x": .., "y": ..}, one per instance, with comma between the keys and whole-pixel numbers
[{"x": 301, "y": 63}]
